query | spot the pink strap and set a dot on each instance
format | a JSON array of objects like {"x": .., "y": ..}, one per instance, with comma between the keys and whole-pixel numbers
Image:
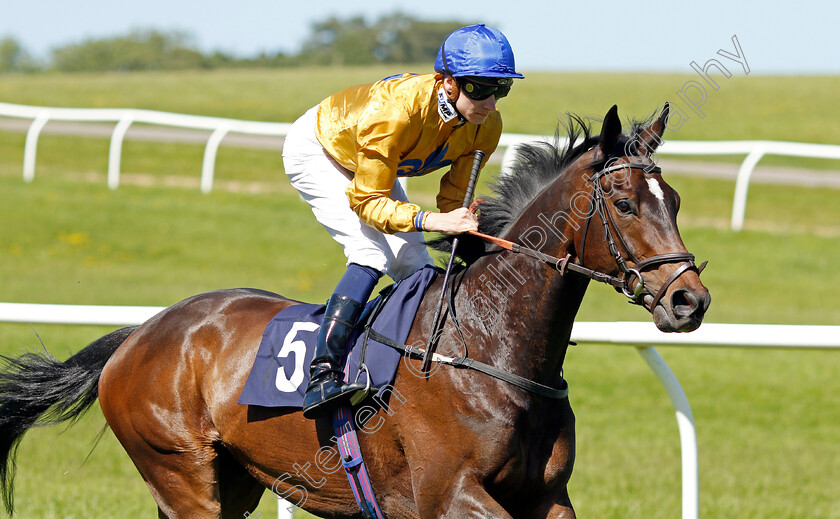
[{"x": 354, "y": 465}]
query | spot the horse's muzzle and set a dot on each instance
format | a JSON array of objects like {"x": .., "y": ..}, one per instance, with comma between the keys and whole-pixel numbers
[{"x": 682, "y": 311}]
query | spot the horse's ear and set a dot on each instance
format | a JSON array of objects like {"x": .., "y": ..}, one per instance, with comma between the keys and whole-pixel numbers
[
  {"x": 651, "y": 137},
  {"x": 610, "y": 132}
]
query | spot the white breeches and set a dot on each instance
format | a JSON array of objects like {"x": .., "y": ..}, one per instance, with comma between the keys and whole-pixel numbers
[{"x": 322, "y": 183}]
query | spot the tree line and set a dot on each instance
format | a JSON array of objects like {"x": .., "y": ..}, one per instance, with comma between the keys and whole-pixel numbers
[{"x": 394, "y": 38}]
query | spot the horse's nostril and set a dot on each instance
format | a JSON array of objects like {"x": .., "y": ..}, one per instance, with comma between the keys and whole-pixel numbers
[
  {"x": 684, "y": 303},
  {"x": 705, "y": 301}
]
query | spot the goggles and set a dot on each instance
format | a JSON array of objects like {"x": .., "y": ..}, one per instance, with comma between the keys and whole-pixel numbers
[{"x": 479, "y": 89}]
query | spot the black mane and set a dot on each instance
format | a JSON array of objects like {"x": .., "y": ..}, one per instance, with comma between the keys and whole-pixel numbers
[{"x": 536, "y": 165}]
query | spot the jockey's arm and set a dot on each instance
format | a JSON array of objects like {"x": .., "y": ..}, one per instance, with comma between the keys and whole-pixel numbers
[
  {"x": 377, "y": 163},
  {"x": 369, "y": 198}
]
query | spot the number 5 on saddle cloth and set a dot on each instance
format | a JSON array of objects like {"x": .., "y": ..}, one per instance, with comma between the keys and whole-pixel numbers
[{"x": 281, "y": 369}]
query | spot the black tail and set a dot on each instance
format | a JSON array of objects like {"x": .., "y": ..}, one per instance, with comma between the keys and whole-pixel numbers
[{"x": 36, "y": 390}]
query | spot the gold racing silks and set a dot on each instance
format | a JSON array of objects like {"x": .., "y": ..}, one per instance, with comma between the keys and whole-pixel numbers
[{"x": 405, "y": 127}]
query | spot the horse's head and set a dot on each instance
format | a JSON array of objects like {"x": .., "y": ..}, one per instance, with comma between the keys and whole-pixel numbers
[
  {"x": 601, "y": 209},
  {"x": 630, "y": 229}
]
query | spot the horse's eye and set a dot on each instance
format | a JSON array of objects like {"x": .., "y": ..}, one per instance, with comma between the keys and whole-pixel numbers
[{"x": 624, "y": 206}]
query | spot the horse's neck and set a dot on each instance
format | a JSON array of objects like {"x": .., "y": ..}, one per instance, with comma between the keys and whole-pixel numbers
[{"x": 527, "y": 307}]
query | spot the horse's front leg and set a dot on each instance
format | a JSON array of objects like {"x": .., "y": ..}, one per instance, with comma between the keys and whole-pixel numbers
[
  {"x": 464, "y": 498},
  {"x": 562, "y": 509}
]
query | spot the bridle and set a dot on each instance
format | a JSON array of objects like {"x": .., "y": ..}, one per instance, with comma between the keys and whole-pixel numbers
[
  {"x": 563, "y": 265},
  {"x": 624, "y": 283},
  {"x": 637, "y": 294}
]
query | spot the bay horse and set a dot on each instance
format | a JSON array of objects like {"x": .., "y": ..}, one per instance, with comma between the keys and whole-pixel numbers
[{"x": 450, "y": 443}]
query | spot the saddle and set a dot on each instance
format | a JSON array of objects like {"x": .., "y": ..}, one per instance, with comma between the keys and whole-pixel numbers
[{"x": 280, "y": 372}]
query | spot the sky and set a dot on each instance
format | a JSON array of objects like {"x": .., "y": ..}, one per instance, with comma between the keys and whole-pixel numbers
[{"x": 775, "y": 37}]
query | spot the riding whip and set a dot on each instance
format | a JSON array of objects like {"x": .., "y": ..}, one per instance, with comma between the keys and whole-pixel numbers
[{"x": 432, "y": 343}]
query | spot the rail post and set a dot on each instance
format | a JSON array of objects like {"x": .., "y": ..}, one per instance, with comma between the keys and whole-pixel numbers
[
  {"x": 208, "y": 165},
  {"x": 685, "y": 423},
  {"x": 30, "y": 148},
  {"x": 742, "y": 185},
  {"x": 115, "y": 151}
]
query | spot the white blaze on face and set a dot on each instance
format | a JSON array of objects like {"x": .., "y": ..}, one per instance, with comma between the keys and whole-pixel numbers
[{"x": 653, "y": 184}]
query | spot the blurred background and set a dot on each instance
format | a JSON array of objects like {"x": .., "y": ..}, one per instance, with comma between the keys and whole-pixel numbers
[{"x": 767, "y": 419}]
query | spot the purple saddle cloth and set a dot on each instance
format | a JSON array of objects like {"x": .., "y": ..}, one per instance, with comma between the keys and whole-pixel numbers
[{"x": 280, "y": 372}]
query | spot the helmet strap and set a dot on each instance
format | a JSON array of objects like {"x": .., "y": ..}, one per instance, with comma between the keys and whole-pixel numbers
[{"x": 447, "y": 108}]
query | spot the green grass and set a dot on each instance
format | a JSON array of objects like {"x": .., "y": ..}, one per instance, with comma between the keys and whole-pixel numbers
[
  {"x": 766, "y": 420},
  {"x": 787, "y": 108},
  {"x": 745, "y": 107},
  {"x": 750, "y": 107}
]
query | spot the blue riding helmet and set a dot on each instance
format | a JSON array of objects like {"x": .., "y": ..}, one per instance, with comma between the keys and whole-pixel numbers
[{"x": 478, "y": 51}]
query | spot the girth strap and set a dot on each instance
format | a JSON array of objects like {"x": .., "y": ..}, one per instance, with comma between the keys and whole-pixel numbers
[{"x": 468, "y": 363}]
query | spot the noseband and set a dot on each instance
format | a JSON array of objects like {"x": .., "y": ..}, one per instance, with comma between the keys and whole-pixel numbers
[{"x": 624, "y": 283}]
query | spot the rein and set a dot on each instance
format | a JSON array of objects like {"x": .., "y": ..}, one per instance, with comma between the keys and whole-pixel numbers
[
  {"x": 624, "y": 283},
  {"x": 464, "y": 362},
  {"x": 562, "y": 265},
  {"x": 468, "y": 363}
]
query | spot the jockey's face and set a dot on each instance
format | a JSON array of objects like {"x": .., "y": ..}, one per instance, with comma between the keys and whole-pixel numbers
[{"x": 473, "y": 111}]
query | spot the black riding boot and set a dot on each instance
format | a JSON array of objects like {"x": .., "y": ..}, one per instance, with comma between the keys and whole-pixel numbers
[{"x": 326, "y": 389}]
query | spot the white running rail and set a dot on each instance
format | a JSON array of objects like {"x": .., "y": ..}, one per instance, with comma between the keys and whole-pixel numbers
[
  {"x": 641, "y": 335},
  {"x": 220, "y": 127},
  {"x": 124, "y": 118},
  {"x": 754, "y": 151}
]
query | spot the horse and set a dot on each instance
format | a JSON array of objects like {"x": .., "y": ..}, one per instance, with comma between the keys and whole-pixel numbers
[{"x": 449, "y": 442}]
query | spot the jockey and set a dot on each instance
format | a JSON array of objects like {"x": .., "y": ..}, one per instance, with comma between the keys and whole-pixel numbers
[{"x": 345, "y": 155}]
